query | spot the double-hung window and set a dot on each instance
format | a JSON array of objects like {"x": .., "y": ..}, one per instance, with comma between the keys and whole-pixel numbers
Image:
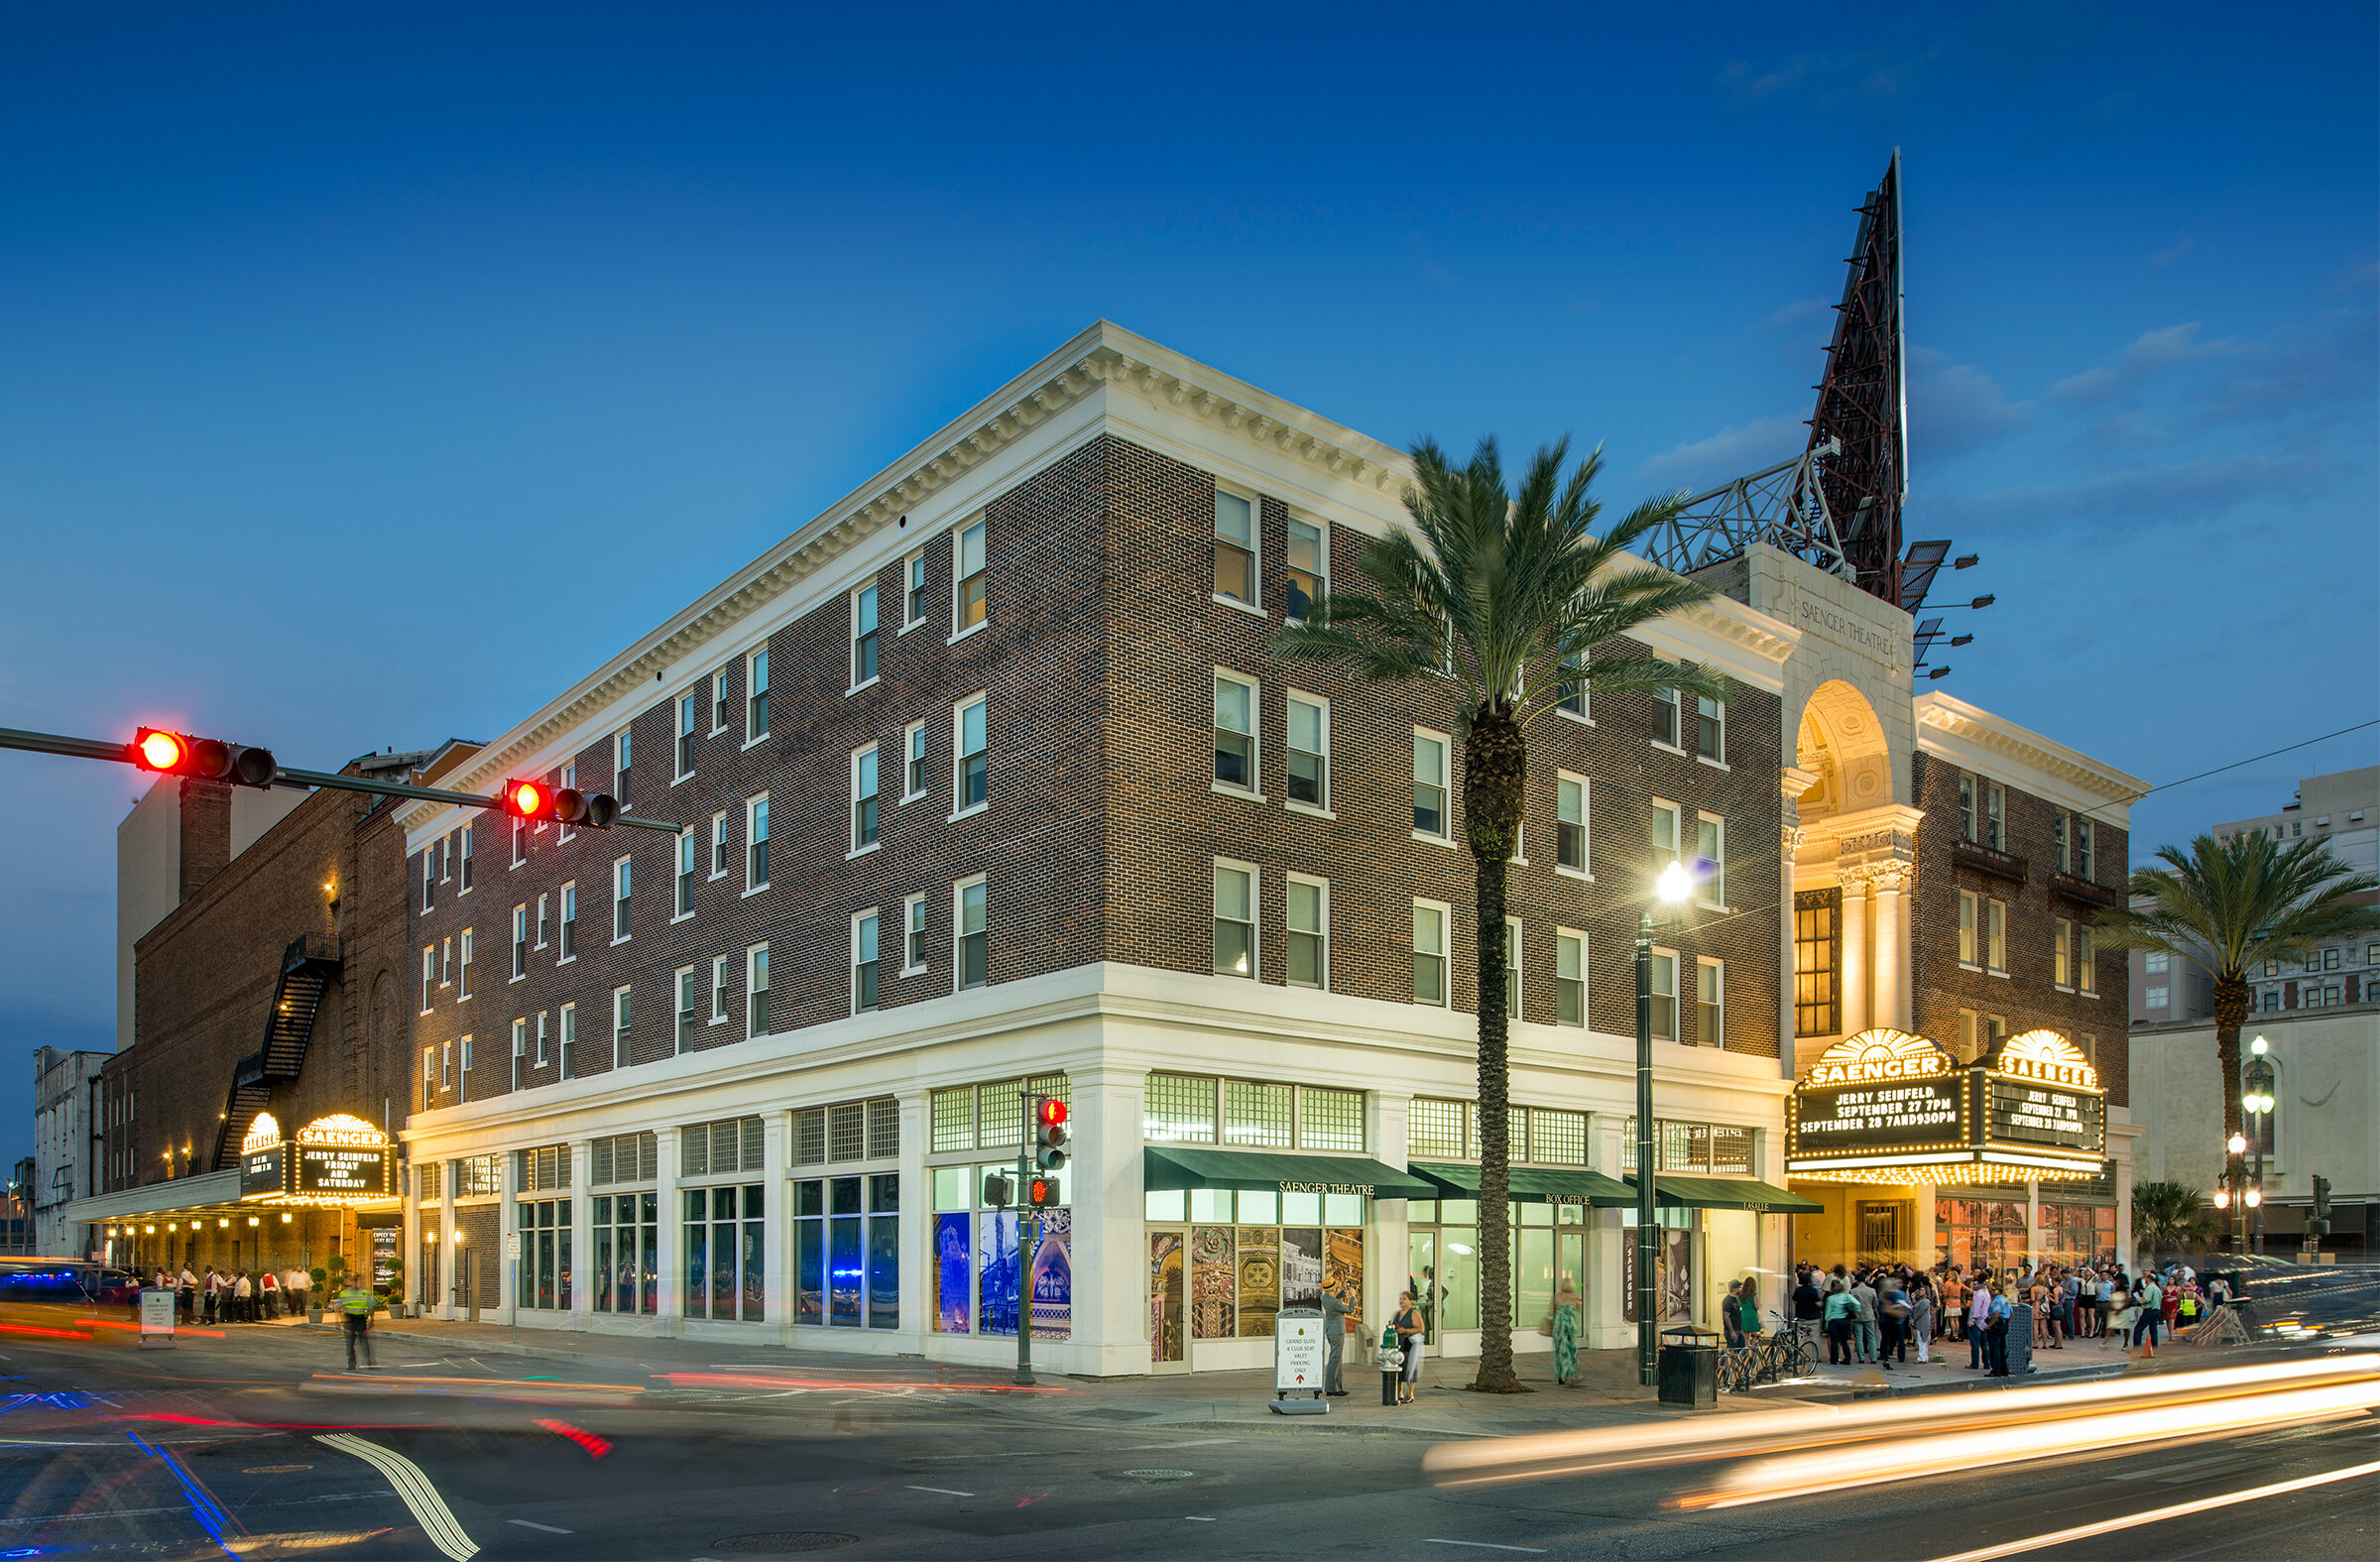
[
  {"x": 569, "y": 784},
  {"x": 520, "y": 1052},
  {"x": 1569, "y": 978},
  {"x": 1235, "y": 548},
  {"x": 470, "y": 835},
  {"x": 2087, "y": 967},
  {"x": 470, "y": 944},
  {"x": 1309, "y": 751},
  {"x": 719, "y": 844},
  {"x": 623, "y": 757},
  {"x": 1309, "y": 566},
  {"x": 719, "y": 701},
  {"x": 689, "y": 863},
  {"x": 1429, "y": 785},
  {"x": 1512, "y": 946},
  {"x": 913, "y": 761},
  {"x": 970, "y": 762},
  {"x": 1995, "y": 936},
  {"x": 863, "y": 962},
  {"x": 1710, "y": 1003},
  {"x": 429, "y": 977},
  {"x": 755, "y": 697},
  {"x": 620, "y": 888},
  {"x": 1235, "y": 920},
  {"x": 913, "y": 591},
  {"x": 1970, "y": 926},
  {"x": 689, "y": 1006},
  {"x": 1711, "y": 853},
  {"x": 620, "y": 1026},
  {"x": 757, "y": 991},
  {"x": 1429, "y": 953},
  {"x": 1967, "y": 807},
  {"x": 569, "y": 1042},
  {"x": 1235, "y": 733},
  {"x": 756, "y": 850},
  {"x": 2083, "y": 852},
  {"x": 968, "y": 604},
  {"x": 863, "y": 636},
  {"x": 863, "y": 799},
  {"x": 971, "y": 909},
  {"x": 1710, "y": 730},
  {"x": 1309, "y": 929},
  {"x": 520, "y": 940},
  {"x": 542, "y": 1019},
  {"x": 2062, "y": 826},
  {"x": 913, "y": 922},
  {"x": 723, "y": 977},
  {"x": 1569, "y": 823},
  {"x": 1665, "y": 718},
  {"x": 1665, "y": 995},
  {"x": 1573, "y": 699},
  {"x": 689, "y": 715},
  {"x": 1665, "y": 831},
  {"x": 2062, "y": 954},
  {"x": 429, "y": 878},
  {"x": 520, "y": 842},
  {"x": 569, "y": 923}
]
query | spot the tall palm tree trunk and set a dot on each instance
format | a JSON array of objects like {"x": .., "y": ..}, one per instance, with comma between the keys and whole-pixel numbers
[
  {"x": 2230, "y": 1016},
  {"x": 1494, "y": 762}
]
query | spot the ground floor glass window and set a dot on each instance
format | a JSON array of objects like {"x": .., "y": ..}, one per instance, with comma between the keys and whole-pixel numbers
[
  {"x": 847, "y": 1251},
  {"x": 2077, "y": 1232},
  {"x": 726, "y": 1277},
  {"x": 1239, "y": 1257},
  {"x": 627, "y": 1272},
  {"x": 1986, "y": 1232},
  {"x": 1442, "y": 1260},
  {"x": 543, "y": 1280}
]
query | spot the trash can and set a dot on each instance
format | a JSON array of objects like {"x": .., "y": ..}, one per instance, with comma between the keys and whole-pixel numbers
[{"x": 1689, "y": 1368}]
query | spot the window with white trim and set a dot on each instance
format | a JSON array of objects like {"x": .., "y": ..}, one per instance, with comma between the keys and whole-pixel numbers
[
  {"x": 689, "y": 863},
  {"x": 1235, "y": 920},
  {"x": 912, "y": 763},
  {"x": 970, "y": 768},
  {"x": 719, "y": 844},
  {"x": 1309, "y": 930},
  {"x": 863, "y": 636},
  {"x": 520, "y": 1052},
  {"x": 429, "y": 878},
  {"x": 1234, "y": 548},
  {"x": 1309, "y": 734},
  {"x": 913, "y": 595},
  {"x": 2086, "y": 964},
  {"x": 864, "y": 934},
  {"x": 1995, "y": 935},
  {"x": 470, "y": 835},
  {"x": 689, "y": 716},
  {"x": 620, "y": 888},
  {"x": 569, "y": 1040},
  {"x": 1710, "y": 859},
  {"x": 1569, "y": 978},
  {"x": 622, "y": 757},
  {"x": 1665, "y": 717},
  {"x": 620, "y": 1026},
  {"x": 913, "y": 922},
  {"x": 569, "y": 923},
  {"x": 1666, "y": 825},
  {"x": 968, "y": 602},
  {"x": 755, "y": 836},
  {"x": 430, "y": 976},
  {"x": 470, "y": 944},
  {"x": 520, "y": 839},
  {"x": 1665, "y": 995},
  {"x": 756, "y": 698},
  {"x": 755, "y": 992},
  {"x": 542, "y": 1023},
  {"x": 2062, "y": 954},
  {"x": 1309, "y": 566},
  {"x": 1513, "y": 947},
  {"x": 520, "y": 941},
  {"x": 1710, "y": 1003},
  {"x": 723, "y": 977},
  {"x": 863, "y": 799},
  {"x": 971, "y": 909},
  {"x": 569, "y": 784},
  {"x": 1431, "y": 815},
  {"x": 1970, "y": 923},
  {"x": 1569, "y": 823},
  {"x": 688, "y": 984},
  {"x": 1710, "y": 730},
  {"x": 1429, "y": 953},
  {"x": 1572, "y": 697},
  {"x": 718, "y": 702},
  {"x": 1235, "y": 732}
]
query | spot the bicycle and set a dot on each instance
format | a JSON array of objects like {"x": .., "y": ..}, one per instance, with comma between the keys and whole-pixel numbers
[{"x": 1773, "y": 1357}]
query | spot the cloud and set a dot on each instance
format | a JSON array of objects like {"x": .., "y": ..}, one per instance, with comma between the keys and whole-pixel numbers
[
  {"x": 1956, "y": 408},
  {"x": 1730, "y": 453},
  {"x": 2180, "y": 496},
  {"x": 1866, "y": 76},
  {"x": 1798, "y": 311},
  {"x": 2147, "y": 355},
  {"x": 2183, "y": 244}
]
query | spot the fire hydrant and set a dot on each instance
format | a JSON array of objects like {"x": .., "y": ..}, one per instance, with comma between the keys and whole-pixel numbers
[{"x": 1392, "y": 1365}]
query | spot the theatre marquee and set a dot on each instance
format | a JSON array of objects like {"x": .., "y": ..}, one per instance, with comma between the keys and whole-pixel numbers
[{"x": 1890, "y": 1106}]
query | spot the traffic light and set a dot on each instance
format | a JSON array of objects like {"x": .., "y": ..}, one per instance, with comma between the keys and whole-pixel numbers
[
  {"x": 997, "y": 1191},
  {"x": 1042, "y": 1192},
  {"x": 205, "y": 759},
  {"x": 535, "y": 801},
  {"x": 1049, "y": 1138}
]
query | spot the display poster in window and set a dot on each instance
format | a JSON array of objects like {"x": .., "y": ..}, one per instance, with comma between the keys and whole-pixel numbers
[
  {"x": 954, "y": 1275},
  {"x": 1213, "y": 1283},
  {"x": 995, "y": 1248},
  {"x": 384, "y": 1257},
  {"x": 1301, "y": 1266},
  {"x": 1260, "y": 1279},
  {"x": 1676, "y": 1278},
  {"x": 1054, "y": 1276},
  {"x": 1343, "y": 1271}
]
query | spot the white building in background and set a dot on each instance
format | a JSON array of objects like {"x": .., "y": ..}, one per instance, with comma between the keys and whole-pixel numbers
[{"x": 65, "y": 1146}]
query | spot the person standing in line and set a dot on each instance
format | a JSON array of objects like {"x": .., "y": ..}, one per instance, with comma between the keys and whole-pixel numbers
[
  {"x": 2218, "y": 1293},
  {"x": 1979, "y": 1317},
  {"x": 268, "y": 1296},
  {"x": 1839, "y": 1324},
  {"x": 1921, "y": 1318},
  {"x": 1809, "y": 1310},
  {"x": 1334, "y": 1341},
  {"x": 185, "y": 1295},
  {"x": 212, "y": 1284},
  {"x": 1892, "y": 1314},
  {"x": 243, "y": 1296},
  {"x": 1995, "y": 1333},
  {"x": 2103, "y": 1302},
  {"x": 1863, "y": 1296}
]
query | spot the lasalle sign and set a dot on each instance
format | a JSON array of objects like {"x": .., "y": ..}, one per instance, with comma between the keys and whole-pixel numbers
[{"x": 1886, "y": 1106}]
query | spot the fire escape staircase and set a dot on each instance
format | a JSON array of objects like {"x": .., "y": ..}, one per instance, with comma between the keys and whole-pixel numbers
[{"x": 306, "y": 968}]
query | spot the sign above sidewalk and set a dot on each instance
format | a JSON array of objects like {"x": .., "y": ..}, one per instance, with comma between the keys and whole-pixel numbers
[
  {"x": 335, "y": 1162},
  {"x": 1892, "y": 1107}
]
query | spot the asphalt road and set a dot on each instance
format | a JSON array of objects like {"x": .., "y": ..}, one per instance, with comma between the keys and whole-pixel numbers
[{"x": 220, "y": 1447}]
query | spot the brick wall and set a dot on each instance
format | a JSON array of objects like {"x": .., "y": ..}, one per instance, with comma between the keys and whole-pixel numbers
[{"x": 2026, "y": 997}]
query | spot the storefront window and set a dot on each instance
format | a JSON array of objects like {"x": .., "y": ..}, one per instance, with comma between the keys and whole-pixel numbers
[
  {"x": 1253, "y": 1251},
  {"x": 627, "y": 1269},
  {"x": 847, "y": 1252},
  {"x": 542, "y": 1279},
  {"x": 2077, "y": 1232},
  {"x": 725, "y": 1273},
  {"x": 1988, "y": 1231},
  {"x": 1547, "y": 1242}
]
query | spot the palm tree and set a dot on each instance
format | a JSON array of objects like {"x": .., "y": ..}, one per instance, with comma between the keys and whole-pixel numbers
[
  {"x": 1499, "y": 599},
  {"x": 2227, "y": 905},
  {"x": 2172, "y": 1220}
]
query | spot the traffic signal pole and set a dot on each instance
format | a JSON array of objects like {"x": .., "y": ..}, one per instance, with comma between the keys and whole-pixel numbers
[
  {"x": 1028, "y": 1238},
  {"x": 125, "y": 753}
]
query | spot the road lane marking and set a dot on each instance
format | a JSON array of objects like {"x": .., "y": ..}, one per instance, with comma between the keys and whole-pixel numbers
[
  {"x": 2161, "y": 1514},
  {"x": 429, "y": 1509},
  {"x": 943, "y": 1489},
  {"x": 1484, "y": 1545},
  {"x": 531, "y": 1523}
]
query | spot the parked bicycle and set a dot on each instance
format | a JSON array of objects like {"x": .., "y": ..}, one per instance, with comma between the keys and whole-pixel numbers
[{"x": 1776, "y": 1356}]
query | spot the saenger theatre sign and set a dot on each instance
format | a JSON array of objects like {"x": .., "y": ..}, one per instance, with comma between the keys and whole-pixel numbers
[{"x": 1889, "y": 1105}]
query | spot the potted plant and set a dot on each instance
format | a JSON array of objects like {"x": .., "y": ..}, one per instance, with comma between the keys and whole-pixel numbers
[{"x": 315, "y": 1292}]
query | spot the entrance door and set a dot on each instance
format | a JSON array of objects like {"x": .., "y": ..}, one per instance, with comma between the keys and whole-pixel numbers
[
  {"x": 1421, "y": 1270},
  {"x": 1168, "y": 1319},
  {"x": 1880, "y": 1227}
]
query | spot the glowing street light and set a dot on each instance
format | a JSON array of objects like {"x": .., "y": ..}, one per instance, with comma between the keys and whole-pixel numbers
[{"x": 1673, "y": 886}]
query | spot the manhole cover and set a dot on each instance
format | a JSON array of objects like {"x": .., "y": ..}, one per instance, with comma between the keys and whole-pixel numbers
[
  {"x": 782, "y": 1542},
  {"x": 1160, "y": 1475}
]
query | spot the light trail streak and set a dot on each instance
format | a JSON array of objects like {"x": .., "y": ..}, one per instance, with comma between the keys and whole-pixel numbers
[
  {"x": 429, "y": 1509},
  {"x": 745, "y": 1380},
  {"x": 2160, "y": 1516}
]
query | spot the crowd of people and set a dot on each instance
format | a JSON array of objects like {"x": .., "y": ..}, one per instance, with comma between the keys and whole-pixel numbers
[
  {"x": 236, "y": 1295},
  {"x": 1882, "y": 1313}
]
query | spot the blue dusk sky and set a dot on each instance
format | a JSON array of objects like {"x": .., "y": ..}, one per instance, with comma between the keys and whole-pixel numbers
[{"x": 368, "y": 373}]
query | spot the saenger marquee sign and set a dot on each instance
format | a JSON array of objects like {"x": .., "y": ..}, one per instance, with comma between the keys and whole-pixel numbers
[
  {"x": 1890, "y": 1106},
  {"x": 333, "y": 1161}
]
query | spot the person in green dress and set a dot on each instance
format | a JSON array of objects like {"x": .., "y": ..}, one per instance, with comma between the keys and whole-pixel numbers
[{"x": 1569, "y": 1314}]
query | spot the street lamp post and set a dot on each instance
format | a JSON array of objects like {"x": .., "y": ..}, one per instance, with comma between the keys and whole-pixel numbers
[
  {"x": 1674, "y": 884},
  {"x": 2258, "y": 1102}
]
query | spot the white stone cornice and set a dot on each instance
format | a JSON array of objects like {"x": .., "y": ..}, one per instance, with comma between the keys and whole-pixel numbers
[{"x": 1944, "y": 716}]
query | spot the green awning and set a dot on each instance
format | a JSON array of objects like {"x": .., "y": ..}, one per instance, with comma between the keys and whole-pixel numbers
[
  {"x": 1725, "y": 1193},
  {"x": 1537, "y": 1184},
  {"x": 1258, "y": 1171}
]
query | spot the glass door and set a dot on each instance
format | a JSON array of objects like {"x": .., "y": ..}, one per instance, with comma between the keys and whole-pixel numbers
[
  {"x": 1421, "y": 1278},
  {"x": 1168, "y": 1332}
]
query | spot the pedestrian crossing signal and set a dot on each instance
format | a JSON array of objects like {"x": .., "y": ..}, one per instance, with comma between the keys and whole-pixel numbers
[
  {"x": 997, "y": 1191},
  {"x": 1041, "y": 1192}
]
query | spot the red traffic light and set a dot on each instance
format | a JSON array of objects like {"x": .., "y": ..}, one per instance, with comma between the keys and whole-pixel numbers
[
  {"x": 163, "y": 752},
  {"x": 527, "y": 799},
  {"x": 1053, "y": 1112}
]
